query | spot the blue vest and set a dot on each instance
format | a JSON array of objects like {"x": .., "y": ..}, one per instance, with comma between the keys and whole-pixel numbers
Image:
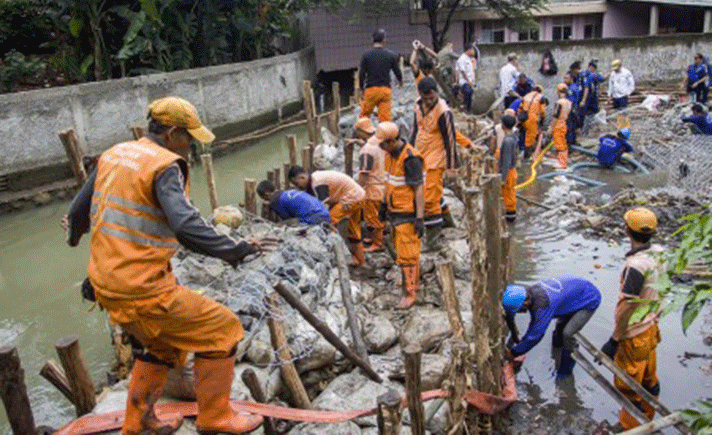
[
  {"x": 297, "y": 204},
  {"x": 611, "y": 150}
]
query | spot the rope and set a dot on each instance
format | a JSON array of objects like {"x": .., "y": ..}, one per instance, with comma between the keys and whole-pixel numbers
[{"x": 535, "y": 163}]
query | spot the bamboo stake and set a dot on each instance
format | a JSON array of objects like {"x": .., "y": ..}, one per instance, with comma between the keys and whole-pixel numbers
[
  {"x": 447, "y": 282},
  {"x": 13, "y": 392},
  {"x": 357, "y": 89},
  {"x": 70, "y": 357},
  {"x": 137, "y": 132},
  {"x": 306, "y": 162},
  {"x": 325, "y": 331},
  {"x": 277, "y": 178},
  {"x": 336, "y": 97},
  {"x": 411, "y": 353},
  {"x": 349, "y": 159},
  {"x": 55, "y": 375},
  {"x": 207, "y": 160},
  {"x": 292, "y": 144},
  {"x": 289, "y": 373},
  {"x": 457, "y": 385},
  {"x": 285, "y": 169},
  {"x": 250, "y": 195},
  {"x": 253, "y": 384},
  {"x": 309, "y": 110},
  {"x": 74, "y": 153},
  {"x": 655, "y": 425},
  {"x": 389, "y": 413}
]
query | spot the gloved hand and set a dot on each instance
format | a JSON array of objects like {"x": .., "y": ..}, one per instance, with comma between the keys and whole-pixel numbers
[
  {"x": 610, "y": 348},
  {"x": 383, "y": 212},
  {"x": 419, "y": 228}
]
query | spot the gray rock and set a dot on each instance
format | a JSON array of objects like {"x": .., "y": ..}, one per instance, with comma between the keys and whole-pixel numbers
[
  {"x": 426, "y": 328},
  {"x": 432, "y": 371},
  {"x": 379, "y": 334},
  {"x": 346, "y": 428},
  {"x": 269, "y": 380},
  {"x": 260, "y": 353}
]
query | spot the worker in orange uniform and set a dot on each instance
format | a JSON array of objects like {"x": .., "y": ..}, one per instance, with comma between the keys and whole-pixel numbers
[
  {"x": 374, "y": 75},
  {"x": 372, "y": 177},
  {"x": 345, "y": 200},
  {"x": 136, "y": 204},
  {"x": 434, "y": 138},
  {"x": 422, "y": 67},
  {"x": 404, "y": 205},
  {"x": 532, "y": 112},
  {"x": 507, "y": 166},
  {"x": 632, "y": 345},
  {"x": 558, "y": 128}
]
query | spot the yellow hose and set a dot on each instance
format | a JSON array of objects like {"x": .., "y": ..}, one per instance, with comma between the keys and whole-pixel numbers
[{"x": 535, "y": 163}]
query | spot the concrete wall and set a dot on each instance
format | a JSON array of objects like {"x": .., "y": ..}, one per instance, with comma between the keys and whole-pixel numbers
[
  {"x": 227, "y": 97},
  {"x": 657, "y": 58}
]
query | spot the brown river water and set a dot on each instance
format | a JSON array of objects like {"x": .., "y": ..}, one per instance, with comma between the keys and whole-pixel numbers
[{"x": 40, "y": 302}]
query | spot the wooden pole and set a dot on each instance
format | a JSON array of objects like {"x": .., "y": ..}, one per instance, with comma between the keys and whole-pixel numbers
[
  {"x": 285, "y": 168},
  {"x": 336, "y": 97},
  {"x": 306, "y": 161},
  {"x": 253, "y": 384},
  {"x": 357, "y": 89},
  {"x": 13, "y": 392},
  {"x": 349, "y": 159},
  {"x": 137, "y": 132},
  {"x": 325, "y": 331},
  {"x": 309, "y": 110},
  {"x": 70, "y": 357},
  {"x": 277, "y": 178},
  {"x": 447, "y": 282},
  {"x": 389, "y": 413},
  {"x": 55, "y": 375},
  {"x": 345, "y": 284},
  {"x": 207, "y": 160},
  {"x": 289, "y": 373},
  {"x": 292, "y": 144},
  {"x": 655, "y": 425},
  {"x": 411, "y": 354},
  {"x": 74, "y": 153},
  {"x": 250, "y": 196},
  {"x": 457, "y": 385}
]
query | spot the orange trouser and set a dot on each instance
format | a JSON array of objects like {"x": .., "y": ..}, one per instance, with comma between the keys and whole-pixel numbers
[
  {"x": 407, "y": 245},
  {"x": 637, "y": 357},
  {"x": 509, "y": 194},
  {"x": 370, "y": 213},
  {"x": 171, "y": 324},
  {"x": 433, "y": 195},
  {"x": 377, "y": 96},
  {"x": 562, "y": 147},
  {"x": 353, "y": 214},
  {"x": 531, "y": 126}
]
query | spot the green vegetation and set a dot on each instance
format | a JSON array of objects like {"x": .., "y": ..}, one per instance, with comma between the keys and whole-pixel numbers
[{"x": 700, "y": 420}]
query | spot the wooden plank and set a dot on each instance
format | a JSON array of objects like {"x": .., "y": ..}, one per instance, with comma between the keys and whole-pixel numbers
[
  {"x": 292, "y": 144},
  {"x": 349, "y": 159},
  {"x": 306, "y": 159},
  {"x": 336, "y": 98},
  {"x": 13, "y": 392},
  {"x": 74, "y": 153},
  {"x": 285, "y": 169},
  {"x": 250, "y": 195},
  {"x": 70, "y": 357},
  {"x": 411, "y": 353},
  {"x": 207, "y": 160},
  {"x": 55, "y": 375},
  {"x": 655, "y": 425}
]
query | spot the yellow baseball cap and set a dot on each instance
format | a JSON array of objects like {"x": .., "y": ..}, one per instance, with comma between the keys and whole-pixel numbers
[
  {"x": 386, "y": 130},
  {"x": 616, "y": 63},
  {"x": 641, "y": 220},
  {"x": 364, "y": 124},
  {"x": 177, "y": 112}
]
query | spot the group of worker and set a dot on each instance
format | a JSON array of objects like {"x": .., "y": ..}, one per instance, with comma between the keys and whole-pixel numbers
[{"x": 573, "y": 301}]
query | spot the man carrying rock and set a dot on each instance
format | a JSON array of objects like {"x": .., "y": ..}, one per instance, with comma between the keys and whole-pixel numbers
[
  {"x": 612, "y": 148},
  {"x": 136, "y": 204},
  {"x": 374, "y": 75},
  {"x": 345, "y": 200},
  {"x": 403, "y": 205},
  {"x": 570, "y": 300},
  {"x": 632, "y": 345},
  {"x": 434, "y": 136},
  {"x": 293, "y": 204}
]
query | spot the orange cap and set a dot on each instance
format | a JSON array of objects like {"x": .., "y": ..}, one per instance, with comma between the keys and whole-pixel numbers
[
  {"x": 177, "y": 112},
  {"x": 364, "y": 124},
  {"x": 641, "y": 220},
  {"x": 561, "y": 87},
  {"x": 386, "y": 130}
]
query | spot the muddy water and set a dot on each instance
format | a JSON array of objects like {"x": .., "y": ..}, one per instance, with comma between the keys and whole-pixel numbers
[{"x": 40, "y": 277}]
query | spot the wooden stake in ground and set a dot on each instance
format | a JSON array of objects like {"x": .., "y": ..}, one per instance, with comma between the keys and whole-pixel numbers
[
  {"x": 277, "y": 178},
  {"x": 207, "y": 160},
  {"x": 289, "y": 373},
  {"x": 292, "y": 144},
  {"x": 250, "y": 195},
  {"x": 70, "y": 356},
  {"x": 285, "y": 168},
  {"x": 447, "y": 283},
  {"x": 55, "y": 375},
  {"x": 357, "y": 89},
  {"x": 411, "y": 353},
  {"x": 306, "y": 159},
  {"x": 349, "y": 159},
  {"x": 74, "y": 153},
  {"x": 13, "y": 392},
  {"x": 253, "y": 384},
  {"x": 336, "y": 98},
  {"x": 137, "y": 132},
  {"x": 389, "y": 413},
  {"x": 457, "y": 384},
  {"x": 310, "y": 110}
]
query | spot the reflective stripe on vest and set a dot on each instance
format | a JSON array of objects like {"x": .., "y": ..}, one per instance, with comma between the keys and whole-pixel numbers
[
  {"x": 399, "y": 180},
  {"x": 400, "y": 196}
]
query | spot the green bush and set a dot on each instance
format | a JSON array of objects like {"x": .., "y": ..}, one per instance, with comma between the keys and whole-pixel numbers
[
  {"x": 25, "y": 25},
  {"x": 17, "y": 69}
]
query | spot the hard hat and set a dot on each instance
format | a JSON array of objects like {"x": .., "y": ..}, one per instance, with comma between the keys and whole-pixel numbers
[
  {"x": 386, "y": 130},
  {"x": 561, "y": 87},
  {"x": 625, "y": 133},
  {"x": 513, "y": 298},
  {"x": 364, "y": 124},
  {"x": 641, "y": 220}
]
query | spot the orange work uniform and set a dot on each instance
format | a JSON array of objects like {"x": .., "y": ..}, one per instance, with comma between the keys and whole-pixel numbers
[
  {"x": 343, "y": 196},
  {"x": 531, "y": 103},
  {"x": 561, "y": 114},
  {"x": 374, "y": 76},
  {"x": 377, "y": 96},
  {"x": 371, "y": 164},
  {"x": 129, "y": 266},
  {"x": 636, "y": 351},
  {"x": 507, "y": 167},
  {"x": 434, "y": 138}
]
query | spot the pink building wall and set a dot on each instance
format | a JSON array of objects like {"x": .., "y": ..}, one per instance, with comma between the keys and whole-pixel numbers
[{"x": 629, "y": 19}]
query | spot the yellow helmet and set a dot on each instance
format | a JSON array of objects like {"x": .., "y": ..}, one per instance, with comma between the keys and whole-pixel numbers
[
  {"x": 641, "y": 220},
  {"x": 386, "y": 130}
]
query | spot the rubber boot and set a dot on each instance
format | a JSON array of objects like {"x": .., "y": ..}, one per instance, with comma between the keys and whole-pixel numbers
[
  {"x": 213, "y": 379},
  {"x": 377, "y": 244},
  {"x": 557, "y": 338},
  {"x": 432, "y": 238},
  {"x": 510, "y": 216},
  {"x": 145, "y": 389},
  {"x": 358, "y": 256},
  {"x": 411, "y": 285},
  {"x": 566, "y": 365}
]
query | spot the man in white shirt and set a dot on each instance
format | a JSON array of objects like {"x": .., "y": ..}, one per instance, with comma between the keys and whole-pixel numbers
[
  {"x": 508, "y": 74},
  {"x": 466, "y": 67},
  {"x": 620, "y": 85}
]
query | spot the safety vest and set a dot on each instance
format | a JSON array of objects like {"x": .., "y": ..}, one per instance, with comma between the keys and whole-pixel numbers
[
  {"x": 564, "y": 110},
  {"x": 531, "y": 103},
  {"x": 131, "y": 242},
  {"x": 399, "y": 195},
  {"x": 376, "y": 177},
  {"x": 429, "y": 141},
  {"x": 649, "y": 264}
]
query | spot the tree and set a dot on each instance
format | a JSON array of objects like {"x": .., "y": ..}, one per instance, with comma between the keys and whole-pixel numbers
[{"x": 441, "y": 12}]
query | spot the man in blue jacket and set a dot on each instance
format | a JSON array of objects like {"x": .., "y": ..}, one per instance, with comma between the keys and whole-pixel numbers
[
  {"x": 290, "y": 204},
  {"x": 700, "y": 119},
  {"x": 572, "y": 301},
  {"x": 613, "y": 147}
]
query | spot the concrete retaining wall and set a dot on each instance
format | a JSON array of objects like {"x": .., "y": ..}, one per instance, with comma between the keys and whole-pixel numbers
[{"x": 230, "y": 97}]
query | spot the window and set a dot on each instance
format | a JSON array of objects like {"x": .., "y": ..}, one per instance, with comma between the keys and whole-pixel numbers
[
  {"x": 468, "y": 33},
  {"x": 529, "y": 35},
  {"x": 492, "y": 32},
  {"x": 562, "y": 29},
  {"x": 593, "y": 27}
]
